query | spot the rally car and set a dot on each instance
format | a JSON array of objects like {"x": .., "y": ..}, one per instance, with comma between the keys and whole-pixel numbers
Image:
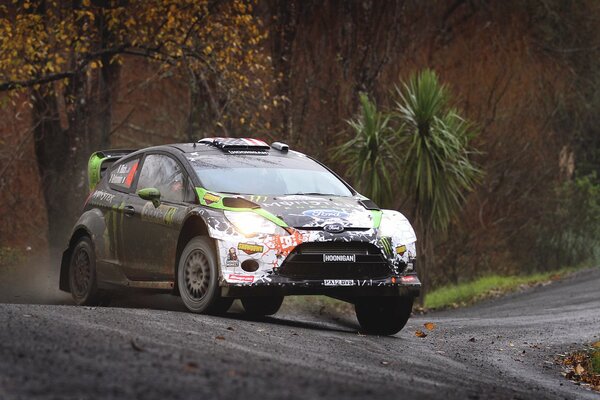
[{"x": 232, "y": 218}]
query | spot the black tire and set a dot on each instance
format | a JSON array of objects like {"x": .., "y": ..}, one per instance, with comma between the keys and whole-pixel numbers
[
  {"x": 383, "y": 315},
  {"x": 83, "y": 281},
  {"x": 198, "y": 278},
  {"x": 261, "y": 306}
]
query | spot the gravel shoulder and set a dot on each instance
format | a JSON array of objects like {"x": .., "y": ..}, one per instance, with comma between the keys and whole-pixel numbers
[{"x": 149, "y": 347}]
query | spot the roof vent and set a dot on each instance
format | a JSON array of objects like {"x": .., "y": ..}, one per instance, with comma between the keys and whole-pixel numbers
[
  {"x": 238, "y": 145},
  {"x": 280, "y": 146}
]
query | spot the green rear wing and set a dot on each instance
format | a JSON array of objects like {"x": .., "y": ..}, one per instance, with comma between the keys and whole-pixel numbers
[{"x": 100, "y": 161}]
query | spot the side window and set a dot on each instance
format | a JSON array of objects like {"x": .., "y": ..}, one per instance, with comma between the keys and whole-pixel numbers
[
  {"x": 163, "y": 173},
  {"x": 123, "y": 174}
]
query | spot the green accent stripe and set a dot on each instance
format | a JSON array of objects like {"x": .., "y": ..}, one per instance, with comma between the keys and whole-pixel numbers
[
  {"x": 219, "y": 206},
  {"x": 377, "y": 214}
]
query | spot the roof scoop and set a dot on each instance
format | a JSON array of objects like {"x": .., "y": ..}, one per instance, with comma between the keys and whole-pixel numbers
[{"x": 237, "y": 145}]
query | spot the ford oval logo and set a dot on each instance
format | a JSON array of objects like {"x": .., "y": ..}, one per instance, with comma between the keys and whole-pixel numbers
[
  {"x": 334, "y": 228},
  {"x": 325, "y": 213}
]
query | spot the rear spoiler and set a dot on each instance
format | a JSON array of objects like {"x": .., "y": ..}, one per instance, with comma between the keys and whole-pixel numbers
[{"x": 100, "y": 161}]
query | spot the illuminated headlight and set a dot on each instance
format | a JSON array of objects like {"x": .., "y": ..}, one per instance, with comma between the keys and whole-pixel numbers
[{"x": 251, "y": 224}]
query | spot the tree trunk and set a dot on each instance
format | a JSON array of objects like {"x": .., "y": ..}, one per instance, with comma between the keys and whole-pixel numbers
[
  {"x": 55, "y": 165},
  {"x": 425, "y": 259}
]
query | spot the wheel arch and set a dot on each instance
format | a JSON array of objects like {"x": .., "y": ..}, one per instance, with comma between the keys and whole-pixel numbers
[
  {"x": 193, "y": 226},
  {"x": 79, "y": 232}
]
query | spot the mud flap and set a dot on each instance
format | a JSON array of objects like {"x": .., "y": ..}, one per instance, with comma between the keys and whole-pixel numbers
[{"x": 63, "y": 283}]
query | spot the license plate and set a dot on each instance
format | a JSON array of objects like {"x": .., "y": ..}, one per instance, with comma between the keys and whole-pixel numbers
[
  {"x": 338, "y": 282},
  {"x": 339, "y": 258}
]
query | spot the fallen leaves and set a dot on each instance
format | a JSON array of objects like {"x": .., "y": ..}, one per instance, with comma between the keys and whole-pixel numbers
[
  {"x": 584, "y": 366},
  {"x": 429, "y": 326},
  {"x": 220, "y": 337}
]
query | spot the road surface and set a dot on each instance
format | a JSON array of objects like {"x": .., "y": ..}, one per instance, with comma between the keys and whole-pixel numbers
[{"x": 501, "y": 348}]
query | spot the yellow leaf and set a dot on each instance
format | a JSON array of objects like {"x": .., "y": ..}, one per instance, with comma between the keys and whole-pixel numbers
[
  {"x": 429, "y": 326},
  {"x": 579, "y": 370},
  {"x": 420, "y": 333}
]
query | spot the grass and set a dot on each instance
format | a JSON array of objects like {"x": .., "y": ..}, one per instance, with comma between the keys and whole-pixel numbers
[
  {"x": 487, "y": 286},
  {"x": 595, "y": 361}
]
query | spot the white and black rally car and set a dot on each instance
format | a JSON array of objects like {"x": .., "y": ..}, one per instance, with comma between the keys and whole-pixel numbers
[{"x": 225, "y": 218}]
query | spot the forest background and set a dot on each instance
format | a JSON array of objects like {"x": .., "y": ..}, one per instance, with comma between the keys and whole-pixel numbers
[{"x": 84, "y": 75}]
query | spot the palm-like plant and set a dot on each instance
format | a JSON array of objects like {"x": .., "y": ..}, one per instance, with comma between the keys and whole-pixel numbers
[
  {"x": 369, "y": 155},
  {"x": 436, "y": 169}
]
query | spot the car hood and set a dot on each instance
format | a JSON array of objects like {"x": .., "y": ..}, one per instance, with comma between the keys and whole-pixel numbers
[{"x": 317, "y": 211}]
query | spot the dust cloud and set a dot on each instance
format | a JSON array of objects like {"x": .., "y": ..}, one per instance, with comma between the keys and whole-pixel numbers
[{"x": 34, "y": 281}]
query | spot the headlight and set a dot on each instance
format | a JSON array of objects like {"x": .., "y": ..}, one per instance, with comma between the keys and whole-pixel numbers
[
  {"x": 393, "y": 224},
  {"x": 251, "y": 224}
]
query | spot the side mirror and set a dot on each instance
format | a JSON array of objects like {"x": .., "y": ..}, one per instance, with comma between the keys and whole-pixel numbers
[{"x": 150, "y": 194}]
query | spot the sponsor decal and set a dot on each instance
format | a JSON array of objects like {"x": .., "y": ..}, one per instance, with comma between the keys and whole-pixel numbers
[
  {"x": 162, "y": 215},
  {"x": 325, "y": 214},
  {"x": 338, "y": 282},
  {"x": 283, "y": 245},
  {"x": 386, "y": 243},
  {"x": 100, "y": 196},
  {"x": 257, "y": 199},
  {"x": 210, "y": 198},
  {"x": 401, "y": 250},
  {"x": 250, "y": 248},
  {"x": 232, "y": 260},
  {"x": 241, "y": 278},
  {"x": 339, "y": 257},
  {"x": 409, "y": 279}
]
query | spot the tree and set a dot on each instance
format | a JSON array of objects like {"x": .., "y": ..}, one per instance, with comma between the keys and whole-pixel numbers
[
  {"x": 65, "y": 58},
  {"x": 423, "y": 144},
  {"x": 437, "y": 170},
  {"x": 370, "y": 155}
]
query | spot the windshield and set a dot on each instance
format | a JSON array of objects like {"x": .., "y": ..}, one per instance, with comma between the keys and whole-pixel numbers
[{"x": 266, "y": 175}]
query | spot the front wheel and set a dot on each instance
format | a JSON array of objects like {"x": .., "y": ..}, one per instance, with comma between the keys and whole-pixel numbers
[
  {"x": 261, "y": 306},
  {"x": 383, "y": 315},
  {"x": 198, "y": 278}
]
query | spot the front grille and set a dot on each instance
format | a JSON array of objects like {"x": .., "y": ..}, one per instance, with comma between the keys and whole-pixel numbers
[{"x": 306, "y": 262}]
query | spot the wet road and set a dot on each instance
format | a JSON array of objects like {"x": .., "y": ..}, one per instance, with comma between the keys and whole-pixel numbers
[{"x": 502, "y": 348}]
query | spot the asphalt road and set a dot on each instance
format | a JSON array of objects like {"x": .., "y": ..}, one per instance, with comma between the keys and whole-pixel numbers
[{"x": 151, "y": 349}]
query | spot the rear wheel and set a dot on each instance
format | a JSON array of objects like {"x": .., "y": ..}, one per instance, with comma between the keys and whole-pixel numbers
[
  {"x": 261, "y": 306},
  {"x": 198, "y": 278},
  {"x": 83, "y": 282},
  {"x": 383, "y": 315}
]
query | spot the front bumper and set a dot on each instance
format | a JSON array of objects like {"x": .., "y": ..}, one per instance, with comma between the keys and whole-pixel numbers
[
  {"x": 297, "y": 264},
  {"x": 404, "y": 285}
]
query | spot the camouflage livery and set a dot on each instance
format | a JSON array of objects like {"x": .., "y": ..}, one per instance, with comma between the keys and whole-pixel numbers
[{"x": 306, "y": 243}]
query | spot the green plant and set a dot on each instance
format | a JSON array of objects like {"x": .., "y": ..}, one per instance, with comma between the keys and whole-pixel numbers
[
  {"x": 570, "y": 234},
  {"x": 370, "y": 155},
  {"x": 437, "y": 170}
]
